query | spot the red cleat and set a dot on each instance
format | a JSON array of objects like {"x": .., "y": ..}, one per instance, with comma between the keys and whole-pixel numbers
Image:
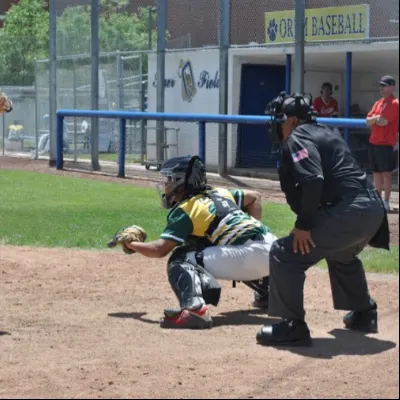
[{"x": 187, "y": 319}]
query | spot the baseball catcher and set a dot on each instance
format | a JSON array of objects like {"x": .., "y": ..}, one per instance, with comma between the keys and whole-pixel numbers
[
  {"x": 213, "y": 234},
  {"x": 6, "y": 104}
]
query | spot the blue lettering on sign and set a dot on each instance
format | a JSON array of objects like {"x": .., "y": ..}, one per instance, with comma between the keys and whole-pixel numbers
[
  {"x": 361, "y": 23},
  {"x": 321, "y": 27},
  {"x": 348, "y": 25},
  {"x": 290, "y": 28},
  {"x": 207, "y": 82},
  {"x": 334, "y": 25},
  {"x": 341, "y": 26},
  {"x": 282, "y": 28},
  {"x": 169, "y": 83},
  {"x": 314, "y": 26},
  {"x": 306, "y": 26},
  {"x": 329, "y": 25}
]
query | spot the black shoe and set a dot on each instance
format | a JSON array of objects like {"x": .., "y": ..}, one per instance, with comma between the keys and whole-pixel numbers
[
  {"x": 260, "y": 301},
  {"x": 363, "y": 321},
  {"x": 285, "y": 333}
]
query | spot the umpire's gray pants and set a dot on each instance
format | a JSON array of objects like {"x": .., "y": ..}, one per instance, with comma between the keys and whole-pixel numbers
[{"x": 342, "y": 232}]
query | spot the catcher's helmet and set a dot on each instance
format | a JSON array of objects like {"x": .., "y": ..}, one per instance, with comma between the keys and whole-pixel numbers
[
  {"x": 182, "y": 175},
  {"x": 285, "y": 106}
]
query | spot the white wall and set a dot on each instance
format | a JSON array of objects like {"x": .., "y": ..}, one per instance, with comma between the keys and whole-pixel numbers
[{"x": 205, "y": 64}]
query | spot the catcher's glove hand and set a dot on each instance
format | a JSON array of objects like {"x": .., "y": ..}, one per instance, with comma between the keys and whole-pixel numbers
[
  {"x": 6, "y": 104},
  {"x": 126, "y": 235}
]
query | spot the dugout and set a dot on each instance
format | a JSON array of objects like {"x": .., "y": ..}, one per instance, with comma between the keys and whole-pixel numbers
[{"x": 256, "y": 75}]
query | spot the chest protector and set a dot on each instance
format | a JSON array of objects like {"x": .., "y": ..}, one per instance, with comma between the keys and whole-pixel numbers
[{"x": 223, "y": 207}]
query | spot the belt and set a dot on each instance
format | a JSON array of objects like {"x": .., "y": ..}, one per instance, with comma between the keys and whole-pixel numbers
[{"x": 371, "y": 194}]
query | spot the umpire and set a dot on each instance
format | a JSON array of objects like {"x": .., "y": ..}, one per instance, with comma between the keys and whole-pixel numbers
[{"x": 339, "y": 213}]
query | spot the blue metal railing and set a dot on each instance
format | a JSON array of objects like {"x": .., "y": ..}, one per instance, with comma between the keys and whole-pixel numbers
[{"x": 201, "y": 119}]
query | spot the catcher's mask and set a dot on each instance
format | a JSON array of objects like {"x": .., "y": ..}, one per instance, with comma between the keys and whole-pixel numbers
[
  {"x": 181, "y": 175},
  {"x": 285, "y": 106}
]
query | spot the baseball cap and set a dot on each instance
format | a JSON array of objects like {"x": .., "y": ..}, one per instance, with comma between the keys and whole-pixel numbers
[{"x": 387, "y": 80}]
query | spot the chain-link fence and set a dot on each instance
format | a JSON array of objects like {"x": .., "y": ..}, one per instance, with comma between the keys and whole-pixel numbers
[
  {"x": 271, "y": 22},
  {"x": 17, "y": 80},
  {"x": 197, "y": 20},
  {"x": 126, "y": 78},
  {"x": 122, "y": 85},
  {"x": 266, "y": 22}
]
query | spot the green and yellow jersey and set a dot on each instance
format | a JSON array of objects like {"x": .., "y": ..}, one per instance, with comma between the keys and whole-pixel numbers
[{"x": 196, "y": 217}]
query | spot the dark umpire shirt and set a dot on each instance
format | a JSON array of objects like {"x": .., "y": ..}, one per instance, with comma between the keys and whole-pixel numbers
[{"x": 316, "y": 156}]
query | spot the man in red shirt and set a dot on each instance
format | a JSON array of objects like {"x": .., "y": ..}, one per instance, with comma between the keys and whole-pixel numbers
[
  {"x": 325, "y": 105},
  {"x": 384, "y": 122}
]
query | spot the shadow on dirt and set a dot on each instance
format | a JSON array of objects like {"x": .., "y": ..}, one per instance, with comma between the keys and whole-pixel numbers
[
  {"x": 344, "y": 343},
  {"x": 3, "y": 333},
  {"x": 135, "y": 315},
  {"x": 234, "y": 318},
  {"x": 242, "y": 317}
]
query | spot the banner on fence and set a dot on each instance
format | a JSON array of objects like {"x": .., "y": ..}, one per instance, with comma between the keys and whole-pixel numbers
[{"x": 321, "y": 24}]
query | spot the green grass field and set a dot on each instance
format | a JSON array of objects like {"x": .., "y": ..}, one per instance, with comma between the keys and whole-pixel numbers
[{"x": 52, "y": 211}]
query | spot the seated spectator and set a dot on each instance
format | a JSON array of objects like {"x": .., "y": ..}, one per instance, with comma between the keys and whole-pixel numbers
[
  {"x": 44, "y": 140},
  {"x": 15, "y": 131},
  {"x": 325, "y": 105}
]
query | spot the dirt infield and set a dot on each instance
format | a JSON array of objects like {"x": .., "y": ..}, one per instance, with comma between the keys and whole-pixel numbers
[{"x": 85, "y": 324}]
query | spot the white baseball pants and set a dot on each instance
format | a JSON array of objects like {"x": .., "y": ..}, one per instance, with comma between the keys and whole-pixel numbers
[{"x": 246, "y": 262}]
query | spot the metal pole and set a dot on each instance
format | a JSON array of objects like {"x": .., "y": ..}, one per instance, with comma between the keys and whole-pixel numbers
[
  {"x": 349, "y": 67},
  {"x": 299, "y": 46},
  {"x": 60, "y": 139},
  {"x": 75, "y": 107},
  {"x": 202, "y": 141},
  {"x": 122, "y": 146},
  {"x": 120, "y": 81},
  {"x": 150, "y": 28},
  {"x": 288, "y": 83},
  {"x": 142, "y": 122},
  {"x": 95, "y": 84},
  {"x": 53, "y": 81},
  {"x": 223, "y": 88},
  {"x": 37, "y": 118},
  {"x": 161, "y": 29}
]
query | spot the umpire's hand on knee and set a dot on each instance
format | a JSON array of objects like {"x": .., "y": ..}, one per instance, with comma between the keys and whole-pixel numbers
[{"x": 302, "y": 241}]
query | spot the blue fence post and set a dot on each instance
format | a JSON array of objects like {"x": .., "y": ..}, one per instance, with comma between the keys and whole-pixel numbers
[
  {"x": 202, "y": 141},
  {"x": 60, "y": 142},
  {"x": 288, "y": 78},
  {"x": 122, "y": 147},
  {"x": 349, "y": 67}
]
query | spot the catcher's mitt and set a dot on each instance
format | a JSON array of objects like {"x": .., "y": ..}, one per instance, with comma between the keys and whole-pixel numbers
[
  {"x": 6, "y": 104},
  {"x": 128, "y": 234}
]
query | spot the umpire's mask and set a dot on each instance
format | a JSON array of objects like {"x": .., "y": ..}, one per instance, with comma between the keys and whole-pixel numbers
[{"x": 285, "y": 106}]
